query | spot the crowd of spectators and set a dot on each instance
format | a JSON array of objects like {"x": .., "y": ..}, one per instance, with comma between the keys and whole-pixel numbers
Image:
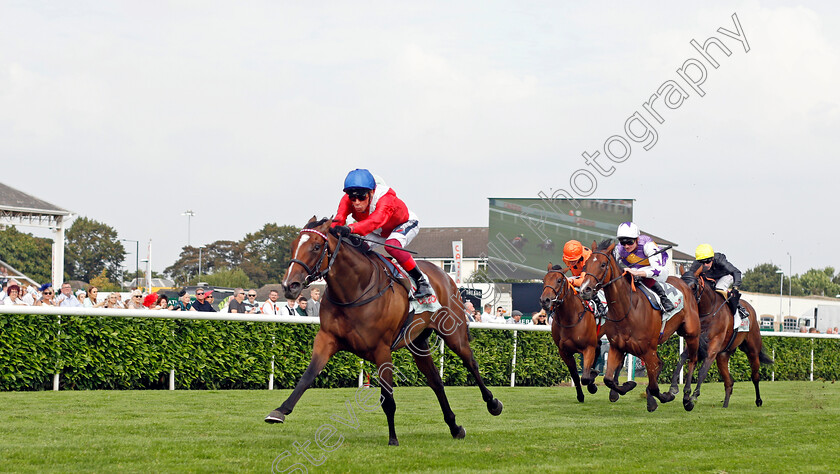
[{"x": 242, "y": 301}]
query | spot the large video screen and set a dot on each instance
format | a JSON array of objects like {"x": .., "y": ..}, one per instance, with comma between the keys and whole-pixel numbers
[{"x": 527, "y": 234}]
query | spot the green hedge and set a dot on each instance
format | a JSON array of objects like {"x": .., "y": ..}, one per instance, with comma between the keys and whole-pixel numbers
[{"x": 136, "y": 353}]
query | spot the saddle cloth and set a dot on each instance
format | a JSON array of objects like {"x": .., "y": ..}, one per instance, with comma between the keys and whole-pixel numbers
[{"x": 674, "y": 295}]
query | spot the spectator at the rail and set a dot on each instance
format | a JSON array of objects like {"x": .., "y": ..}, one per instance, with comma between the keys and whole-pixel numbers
[
  {"x": 237, "y": 303},
  {"x": 271, "y": 306},
  {"x": 47, "y": 297},
  {"x": 836, "y": 330},
  {"x": 300, "y": 309},
  {"x": 499, "y": 318},
  {"x": 515, "y": 317},
  {"x": 487, "y": 314},
  {"x": 135, "y": 300},
  {"x": 13, "y": 296},
  {"x": 208, "y": 296},
  {"x": 803, "y": 329},
  {"x": 813, "y": 331},
  {"x": 92, "y": 298},
  {"x": 539, "y": 318},
  {"x": 28, "y": 293},
  {"x": 183, "y": 303},
  {"x": 313, "y": 307},
  {"x": 289, "y": 308},
  {"x": 469, "y": 309},
  {"x": 201, "y": 303},
  {"x": 114, "y": 301},
  {"x": 252, "y": 306},
  {"x": 81, "y": 295},
  {"x": 66, "y": 299},
  {"x": 163, "y": 302}
]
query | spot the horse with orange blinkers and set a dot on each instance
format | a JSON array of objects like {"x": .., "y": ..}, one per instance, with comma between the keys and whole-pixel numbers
[
  {"x": 634, "y": 326},
  {"x": 364, "y": 311}
]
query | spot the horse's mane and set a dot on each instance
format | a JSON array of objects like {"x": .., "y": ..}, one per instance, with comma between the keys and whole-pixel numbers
[
  {"x": 314, "y": 224},
  {"x": 688, "y": 278},
  {"x": 605, "y": 244}
]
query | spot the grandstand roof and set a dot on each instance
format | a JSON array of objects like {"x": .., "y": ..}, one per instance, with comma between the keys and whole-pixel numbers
[
  {"x": 12, "y": 200},
  {"x": 436, "y": 242}
]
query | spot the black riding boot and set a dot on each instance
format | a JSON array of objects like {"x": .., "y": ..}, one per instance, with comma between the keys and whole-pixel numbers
[
  {"x": 734, "y": 300},
  {"x": 600, "y": 308},
  {"x": 423, "y": 289},
  {"x": 667, "y": 306}
]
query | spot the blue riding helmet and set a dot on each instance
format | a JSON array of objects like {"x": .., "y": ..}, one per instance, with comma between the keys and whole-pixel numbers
[{"x": 359, "y": 179}]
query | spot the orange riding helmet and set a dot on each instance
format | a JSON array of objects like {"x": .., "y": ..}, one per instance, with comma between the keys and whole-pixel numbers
[{"x": 574, "y": 255}]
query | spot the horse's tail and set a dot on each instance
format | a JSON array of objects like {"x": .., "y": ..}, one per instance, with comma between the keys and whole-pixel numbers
[
  {"x": 763, "y": 358},
  {"x": 703, "y": 348}
]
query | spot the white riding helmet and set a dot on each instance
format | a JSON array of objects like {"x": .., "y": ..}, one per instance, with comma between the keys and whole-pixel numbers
[{"x": 628, "y": 230}]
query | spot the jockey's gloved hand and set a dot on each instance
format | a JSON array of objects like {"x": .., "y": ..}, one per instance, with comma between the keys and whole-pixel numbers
[{"x": 342, "y": 230}]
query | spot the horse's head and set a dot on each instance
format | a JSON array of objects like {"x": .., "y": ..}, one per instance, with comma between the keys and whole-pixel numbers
[
  {"x": 308, "y": 251},
  {"x": 694, "y": 282},
  {"x": 555, "y": 287},
  {"x": 598, "y": 268}
]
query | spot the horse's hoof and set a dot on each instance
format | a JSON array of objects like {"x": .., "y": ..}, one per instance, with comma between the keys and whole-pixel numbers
[
  {"x": 688, "y": 404},
  {"x": 758, "y": 402},
  {"x": 629, "y": 386},
  {"x": 393, "y": 442},
  {"x": 495, "y": 407},
  {"x": 580, "y": 397},
  {"x": 275, "y": 417},
  {"x": 651, "y": 406},
  {"x": 674, "y": 391},
  {"x": 614, "y": 396},
  {"x": 592, "y": 388},
  {"x": 666, "y": 397},
  {"x": 460, "y": 434}
]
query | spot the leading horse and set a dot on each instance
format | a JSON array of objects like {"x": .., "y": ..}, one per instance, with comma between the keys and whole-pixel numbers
[
  {"x": 363, "y": 311},
  {"x": 634, "y": 326},
  {"x": 717, "y": 323}
]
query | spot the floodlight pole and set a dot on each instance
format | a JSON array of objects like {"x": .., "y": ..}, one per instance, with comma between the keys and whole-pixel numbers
[
  {"x": 781, "y": 295},
  {"x": 136, "y": 256},
  {"x": 189, "y": 213}
]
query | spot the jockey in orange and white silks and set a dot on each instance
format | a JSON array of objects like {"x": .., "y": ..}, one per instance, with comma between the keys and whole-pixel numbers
[
  {"x": 575, "y": 256},
  {"x": 640, "y": 254},
  {"x": 377, "y": 210}
]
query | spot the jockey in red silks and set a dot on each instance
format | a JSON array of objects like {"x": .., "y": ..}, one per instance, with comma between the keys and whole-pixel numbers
[{"x": 377, "y": 210}]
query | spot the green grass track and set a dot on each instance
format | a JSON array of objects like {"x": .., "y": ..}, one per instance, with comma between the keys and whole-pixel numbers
[{"x": 540, "y": 430}]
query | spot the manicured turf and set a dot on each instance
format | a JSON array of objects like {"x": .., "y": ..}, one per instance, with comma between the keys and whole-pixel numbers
[{"x": 540, "y": 430}]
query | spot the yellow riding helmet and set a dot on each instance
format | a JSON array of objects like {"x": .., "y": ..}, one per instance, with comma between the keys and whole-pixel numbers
[
  {"x": 703, "y": 252},
  {"x": 572, "y": 251}
]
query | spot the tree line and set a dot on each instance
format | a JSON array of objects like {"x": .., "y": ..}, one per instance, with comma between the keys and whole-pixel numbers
[{"x": 94, "y": 253}]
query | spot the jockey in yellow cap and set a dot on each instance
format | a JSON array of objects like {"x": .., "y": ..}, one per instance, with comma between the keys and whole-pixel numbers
[
  {"x": 726, "y": 276},
  {"x": 574, "y": 256}
]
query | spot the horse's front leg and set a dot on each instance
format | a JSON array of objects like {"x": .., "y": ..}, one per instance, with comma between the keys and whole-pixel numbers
[
  {"x": 385, "y": 369},
  {"x": 325, "y": 346},
  {"x": 569, "y": 360},
  {"x": 588, "y": 360},
  {"x": 675, "y": 377}
]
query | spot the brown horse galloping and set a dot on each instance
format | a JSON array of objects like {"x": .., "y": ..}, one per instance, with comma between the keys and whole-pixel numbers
[
  {"x": 717, "y": 324},
  {"x": 363, "y": 311},
  {"x": 573, "y": 327},
  {"x": 634, "y": 326}
]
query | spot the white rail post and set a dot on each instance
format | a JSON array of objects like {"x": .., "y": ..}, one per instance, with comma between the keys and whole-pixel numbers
[
  {"x": 812, "y": 359},
  {"x": 57, "y": 356},
  {"x": 682, "y": 343},
  {"x": 361, "y": 372},
  {"x": 441, "y": 358},
  {"x": 172, "y": 379},
  {"x": 513, "y": 362},
  {"x": 773, "y": 373},
  {"x": 631, "y": 367},
  {"x": 271, "y": 374}
]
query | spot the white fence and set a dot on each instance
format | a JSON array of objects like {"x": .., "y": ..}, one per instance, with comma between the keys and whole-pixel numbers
[{"x": 195, "y": 315}]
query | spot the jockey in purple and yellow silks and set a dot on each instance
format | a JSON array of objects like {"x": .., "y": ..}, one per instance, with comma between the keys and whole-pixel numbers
[{"x": 639, "y": 254}]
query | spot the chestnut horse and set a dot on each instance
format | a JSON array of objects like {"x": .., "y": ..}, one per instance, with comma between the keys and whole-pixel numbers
[
  {"x": 573, "y": 327},
  {"x": 634, "y": 326},
  {"x": 717, "y": 322},
  {"x": 363, "y": 311}
]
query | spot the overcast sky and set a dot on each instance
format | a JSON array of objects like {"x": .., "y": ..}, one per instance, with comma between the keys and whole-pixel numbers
[{"x": 249, "y": 113}]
